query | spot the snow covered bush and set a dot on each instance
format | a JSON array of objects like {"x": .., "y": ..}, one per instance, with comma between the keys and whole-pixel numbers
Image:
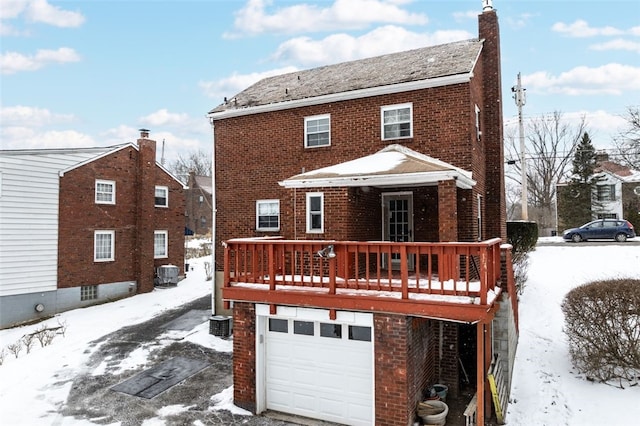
[{"x": 602, "y": 323}]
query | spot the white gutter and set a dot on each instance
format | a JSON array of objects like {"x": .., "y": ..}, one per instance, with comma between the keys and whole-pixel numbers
[
  {"x": 406, "y": 179},
  {"x": 213, "y": 218}
]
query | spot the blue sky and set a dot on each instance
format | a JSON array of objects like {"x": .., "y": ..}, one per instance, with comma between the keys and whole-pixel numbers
[{"x": 91, "y": 73}]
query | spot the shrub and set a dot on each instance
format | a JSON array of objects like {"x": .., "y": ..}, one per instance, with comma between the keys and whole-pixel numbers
[
  {"x": 602, "y": 323},
  {"x": 523, "y": 237}
]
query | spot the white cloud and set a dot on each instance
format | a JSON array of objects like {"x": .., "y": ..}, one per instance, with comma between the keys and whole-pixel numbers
[
  {"x": 617, "y": 44},
  {"x": 611, "y": 79},
  {"x": 29, "y": 116},
  {"x": 12, "y": 8},
  {"x": 163, "y": 117},
  {"x": 581, "y": 28},
  {"x": 343, "y": 47},
  {"x": 304, "y": 18},
  {"x": 19, "y": 137},
  {"x": 230, "y": 86},
  {"x": 13, "y": 62}
]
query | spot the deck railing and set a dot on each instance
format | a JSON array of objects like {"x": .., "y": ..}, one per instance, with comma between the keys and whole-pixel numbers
[{"x": 403, "y": 268}]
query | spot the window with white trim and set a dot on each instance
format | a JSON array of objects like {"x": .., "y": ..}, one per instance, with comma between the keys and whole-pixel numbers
[
  {"x": 104, "y": 243},
  {"x": 606, "y": 192},
  {"x": 315, "y": 212},
  {"x": 317, "y": 131},
  {"x": 268, "y": 215},
  {"x": 397, "y": 121},
  {"x": 105, "y": 192},
  {"x": 160, "y": 244},
  {"x": 162, "y": 196}
]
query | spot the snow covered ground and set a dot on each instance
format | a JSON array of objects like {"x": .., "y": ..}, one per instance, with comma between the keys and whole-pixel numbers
[{"x": 546, "y": 390}]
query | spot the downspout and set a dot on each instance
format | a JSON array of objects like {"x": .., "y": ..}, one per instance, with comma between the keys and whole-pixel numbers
[{"x": 213, "y": 217}]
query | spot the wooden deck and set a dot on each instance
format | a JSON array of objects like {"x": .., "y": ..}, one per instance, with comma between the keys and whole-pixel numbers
[{"x": 456, "y": 281}]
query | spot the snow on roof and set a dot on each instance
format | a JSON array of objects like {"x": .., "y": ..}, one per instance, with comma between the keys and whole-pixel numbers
[{"x": 392, "y": 166}]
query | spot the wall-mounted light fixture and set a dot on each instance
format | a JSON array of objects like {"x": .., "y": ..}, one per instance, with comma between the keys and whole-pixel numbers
[{"x": 327, "y": 252}]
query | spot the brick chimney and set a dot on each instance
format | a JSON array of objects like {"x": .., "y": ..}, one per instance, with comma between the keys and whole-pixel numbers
[
  {"x": 495, "y": 202},
  {"x": 146, "y": 179}
]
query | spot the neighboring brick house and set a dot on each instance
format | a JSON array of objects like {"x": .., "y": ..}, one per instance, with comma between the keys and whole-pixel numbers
[
  {"x": 82, "y": 226},
  {"x": 357, "y": 202},
  {"x": 198, "y": 198}
]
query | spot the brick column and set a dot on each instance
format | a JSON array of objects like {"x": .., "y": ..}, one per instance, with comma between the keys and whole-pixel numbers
[
  {"x": 244, "y": 356},
  {"x": 146, "y": 179},
  {"x": 447, "y": 210}
]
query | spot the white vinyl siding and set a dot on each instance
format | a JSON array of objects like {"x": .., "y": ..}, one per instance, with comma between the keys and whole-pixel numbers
[
  {"x": 105, "y": 192},
  {"x": 160, "y": 244},
  {"x": 29, "y": 218},
  {"x": 397, "y": 121},
  {"x": 317, "y": 131}
]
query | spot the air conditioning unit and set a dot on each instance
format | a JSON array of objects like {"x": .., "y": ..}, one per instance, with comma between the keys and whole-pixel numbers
[{"x": 167, "y": 275}]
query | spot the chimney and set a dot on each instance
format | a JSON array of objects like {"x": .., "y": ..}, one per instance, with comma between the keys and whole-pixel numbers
[{"x": 145, "y": 186}]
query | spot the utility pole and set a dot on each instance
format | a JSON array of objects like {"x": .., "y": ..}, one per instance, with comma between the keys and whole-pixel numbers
[{"x": 518, "y": 95}]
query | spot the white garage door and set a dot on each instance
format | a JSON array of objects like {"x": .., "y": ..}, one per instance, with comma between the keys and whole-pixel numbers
[{"x": 320, "y": 369}]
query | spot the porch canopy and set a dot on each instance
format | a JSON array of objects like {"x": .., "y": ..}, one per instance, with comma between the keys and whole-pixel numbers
[{"x": 393, "y": 166}]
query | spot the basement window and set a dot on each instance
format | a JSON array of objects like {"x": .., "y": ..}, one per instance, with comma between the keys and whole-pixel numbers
[{"x": 88, "y": 292}]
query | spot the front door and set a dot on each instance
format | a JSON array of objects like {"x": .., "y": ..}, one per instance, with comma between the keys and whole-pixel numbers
[{"x": 398, "y": 223}]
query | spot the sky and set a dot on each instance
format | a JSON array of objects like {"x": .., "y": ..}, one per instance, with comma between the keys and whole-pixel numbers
[
  {"x": 92, "y": 73},
  {"x": 546, "y": 390}
]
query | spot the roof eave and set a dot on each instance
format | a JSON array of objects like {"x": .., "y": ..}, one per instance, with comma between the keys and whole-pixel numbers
[
  {"x": 397, "y": 180},
  {"x": 344, "y": 96}
]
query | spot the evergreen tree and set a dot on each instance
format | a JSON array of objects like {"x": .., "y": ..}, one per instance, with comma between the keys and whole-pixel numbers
[{"x": 577, "y": 200}]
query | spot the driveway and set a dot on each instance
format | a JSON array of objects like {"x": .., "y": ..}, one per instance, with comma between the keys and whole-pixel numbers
[{"x": 186, "y": 403}]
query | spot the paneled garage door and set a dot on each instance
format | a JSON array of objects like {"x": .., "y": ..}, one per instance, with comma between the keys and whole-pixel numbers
[{"x": 317, "y": 369}]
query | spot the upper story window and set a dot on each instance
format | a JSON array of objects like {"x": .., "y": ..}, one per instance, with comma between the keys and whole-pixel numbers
[
  {"x": 160, "y": 244},
  {"x": 606, "y": 192},
  {"x": 268, "y": 215},
  {"x": 162, "y": 196},
  {"x": 104, "y": 243},
  {"x": 317, "y": 131},
  {"x": 315, "y": 212},
  {"x": 397, "y": 121},
  {"x": 105, "y": 192}
]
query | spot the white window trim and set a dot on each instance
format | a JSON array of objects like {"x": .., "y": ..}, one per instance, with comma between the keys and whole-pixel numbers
[
  {"x": 113, "y": 192},
  {"x": 95, "y": 245},
  {"x": 258, "y": 202},
  {"x": 385, "y": 108},
  {"x": 166, "y": 190},
  {"x": 166, "y": 244},
  {"x": 308, "y": 213},
  {"x": 306, "y": 133}
]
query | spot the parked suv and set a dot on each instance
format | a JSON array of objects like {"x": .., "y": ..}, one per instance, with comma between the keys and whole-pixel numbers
[{"x": 601, "y": 229}]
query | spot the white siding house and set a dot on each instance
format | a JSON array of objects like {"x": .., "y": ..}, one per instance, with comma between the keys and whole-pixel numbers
[{"x": 29, "y": 189}]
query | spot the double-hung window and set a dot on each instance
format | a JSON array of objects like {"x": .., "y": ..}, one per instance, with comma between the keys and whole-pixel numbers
[
  {"x": 160, "y": 244},
  {"x": 317, "y": 131},
  {"x": 105, "y": 192},
  {"x": 315, "y": 212},
  {"x": 104, "y": 243},
  {"x": 397, "y": 121},
  {"x": 162, "y": 196},
  {"x": 268, "y": 215},
  {"x": 606, "y": 192}
]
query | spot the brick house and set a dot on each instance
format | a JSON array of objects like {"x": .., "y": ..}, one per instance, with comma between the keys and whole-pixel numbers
[
  {"x": 362, "y": 211},
  {"x": 82, "y": 226},
  {"x": 199, "y": 209}
]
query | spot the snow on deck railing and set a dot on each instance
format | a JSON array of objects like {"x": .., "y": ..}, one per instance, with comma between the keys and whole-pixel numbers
[{"x": 403, "y": 268}]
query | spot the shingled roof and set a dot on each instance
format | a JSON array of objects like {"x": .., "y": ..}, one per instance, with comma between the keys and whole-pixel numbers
[{"x": 451, "y": 59}]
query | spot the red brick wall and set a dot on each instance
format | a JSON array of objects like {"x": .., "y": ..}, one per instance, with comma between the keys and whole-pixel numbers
[
  {"x": 80, "y": 216},
  {"x": 404, "y": 367},
  {"x": 446, "y": 368},
  {"x": 244, "y": 356}
]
